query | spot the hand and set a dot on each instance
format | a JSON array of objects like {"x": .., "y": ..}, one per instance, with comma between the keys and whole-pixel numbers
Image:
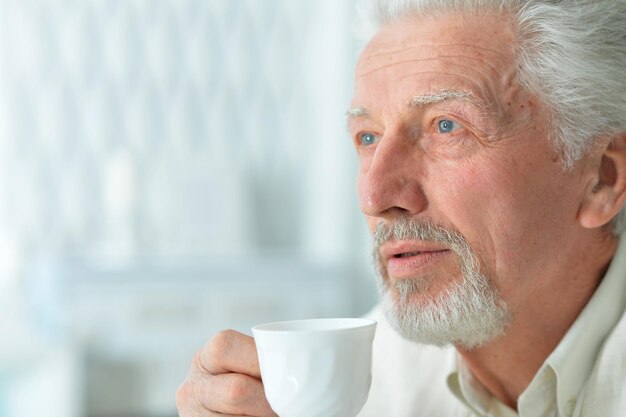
[{"x": 224, "y": 380}]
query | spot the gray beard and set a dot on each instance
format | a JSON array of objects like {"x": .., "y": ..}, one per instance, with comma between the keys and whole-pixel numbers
[{"x": 468, "y": 314}]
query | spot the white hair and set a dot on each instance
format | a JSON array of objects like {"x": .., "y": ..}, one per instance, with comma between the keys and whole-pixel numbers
[{"x": 571, "y": 53}]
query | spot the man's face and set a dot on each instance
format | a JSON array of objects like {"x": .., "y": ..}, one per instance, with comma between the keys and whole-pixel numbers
[{"x": 446, "y": 136}]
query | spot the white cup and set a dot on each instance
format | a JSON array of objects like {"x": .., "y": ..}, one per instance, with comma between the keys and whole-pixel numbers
[{"x": 316, "y": 368}]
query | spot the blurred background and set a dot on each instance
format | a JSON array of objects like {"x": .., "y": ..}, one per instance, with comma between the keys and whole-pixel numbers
[{"x": 168, "y": 168}]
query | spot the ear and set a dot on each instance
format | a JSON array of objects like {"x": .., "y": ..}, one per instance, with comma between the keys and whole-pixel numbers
[{"x": 606, "y": 192}]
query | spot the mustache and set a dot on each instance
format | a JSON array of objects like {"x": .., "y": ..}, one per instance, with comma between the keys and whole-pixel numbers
[{"x": 406, "y": 228}]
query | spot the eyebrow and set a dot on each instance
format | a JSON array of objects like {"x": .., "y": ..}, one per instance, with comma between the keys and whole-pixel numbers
[
  {"x": 424, "y": 100},
  {"x": 445, "y": 95},
  {"x": 356, "y": 112}
]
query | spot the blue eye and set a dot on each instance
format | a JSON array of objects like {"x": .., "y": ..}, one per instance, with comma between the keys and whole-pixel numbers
[
  {"x": 367, "y": 139},
  {"x": 447, "y": 126}
]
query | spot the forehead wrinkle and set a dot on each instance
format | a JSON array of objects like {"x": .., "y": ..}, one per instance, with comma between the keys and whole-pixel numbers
[
  {"x": 487, "y": 64},
  {"x": 466, "y": 69},
  {"x": 463, "y": 46}
]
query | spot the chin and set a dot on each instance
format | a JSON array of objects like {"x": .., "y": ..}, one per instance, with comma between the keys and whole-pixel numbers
[{"x": 467, "y": 314}]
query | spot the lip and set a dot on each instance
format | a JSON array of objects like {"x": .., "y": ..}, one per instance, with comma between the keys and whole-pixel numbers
[
  {"x": 395, "y": 249},
  {"x": 405, "y": 259}
]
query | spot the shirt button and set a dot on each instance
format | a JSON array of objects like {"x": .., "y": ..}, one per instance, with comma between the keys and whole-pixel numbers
[{"x": 570, "y": 406}]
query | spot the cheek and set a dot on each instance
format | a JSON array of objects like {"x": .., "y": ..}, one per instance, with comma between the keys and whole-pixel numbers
[
  {"x": 506, "y": 210},
  {"x": 473, "y": 199},
  {"x": 485, "y": 204}
]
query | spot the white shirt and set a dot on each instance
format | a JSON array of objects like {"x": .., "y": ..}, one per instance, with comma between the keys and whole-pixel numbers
[{"x": 585, "y": 376}]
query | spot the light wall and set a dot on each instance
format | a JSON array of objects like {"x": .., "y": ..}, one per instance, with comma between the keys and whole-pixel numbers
[{"x": 167, "y": 169}]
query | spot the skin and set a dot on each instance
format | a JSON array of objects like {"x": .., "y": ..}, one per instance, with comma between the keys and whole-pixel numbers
[{"x": 540, "y": 231}]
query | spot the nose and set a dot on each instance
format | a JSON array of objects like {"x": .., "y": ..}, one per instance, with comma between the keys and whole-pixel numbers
[{"x": 390, "y": 180}]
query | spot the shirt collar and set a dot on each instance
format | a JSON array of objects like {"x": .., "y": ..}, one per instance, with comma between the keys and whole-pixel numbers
[
  {"x": 574, "y": 357},
  {"x": 471, "y": 393}
]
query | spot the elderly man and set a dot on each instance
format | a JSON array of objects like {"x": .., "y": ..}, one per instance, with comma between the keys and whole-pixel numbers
[{"x": 491, "y": 136}]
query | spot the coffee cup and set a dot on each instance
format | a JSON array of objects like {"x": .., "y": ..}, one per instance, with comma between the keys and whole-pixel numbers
[{"x": 316, "y": 368}]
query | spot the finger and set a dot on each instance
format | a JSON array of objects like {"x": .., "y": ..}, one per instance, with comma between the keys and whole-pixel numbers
[
  {"x": 205, "y": 413},
  {"x": 187, "y": 404},
  {"x": 194, "y": 398},
  {"x": 229, "y": 351},
  {"x": 208, "y": 414},
  {"x": 232, "y": 394}
]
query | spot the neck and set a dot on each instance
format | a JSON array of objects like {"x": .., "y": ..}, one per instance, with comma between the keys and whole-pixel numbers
[{"x": 507, "y": 365}]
